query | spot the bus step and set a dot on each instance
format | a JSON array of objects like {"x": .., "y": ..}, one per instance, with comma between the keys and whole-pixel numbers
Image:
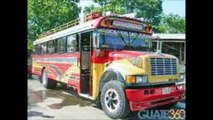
[{"x": 85, "y": 96}]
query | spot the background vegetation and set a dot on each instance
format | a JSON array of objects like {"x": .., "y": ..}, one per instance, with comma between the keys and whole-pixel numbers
[{"x": 46, "y": 14}]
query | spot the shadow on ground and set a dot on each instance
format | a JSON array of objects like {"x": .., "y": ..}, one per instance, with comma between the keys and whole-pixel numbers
[{"x": 35, "y": 113}]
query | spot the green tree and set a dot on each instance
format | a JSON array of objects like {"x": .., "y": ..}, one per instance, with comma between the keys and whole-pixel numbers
[
  {"x": 172, "y": 24},
  {"x": 150, "y": 10},
  {"x": 92, "y": 8},
  {"x": 46, "y": 14}
]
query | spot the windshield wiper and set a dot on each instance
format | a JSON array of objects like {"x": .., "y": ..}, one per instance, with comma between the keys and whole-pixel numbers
[
  {"x": 121, "y": 37},
  {"x": 135, "y": 38}
]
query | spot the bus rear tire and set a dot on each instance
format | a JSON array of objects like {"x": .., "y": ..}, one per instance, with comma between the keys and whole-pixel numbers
[
  {"x": 114, "y": 101},
  {"x": 46, "y": 82}
]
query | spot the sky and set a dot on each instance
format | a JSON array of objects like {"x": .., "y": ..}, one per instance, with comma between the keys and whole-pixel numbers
[
  {"x": 169, "y": 6},
  {"x": 174, "y": 6}
]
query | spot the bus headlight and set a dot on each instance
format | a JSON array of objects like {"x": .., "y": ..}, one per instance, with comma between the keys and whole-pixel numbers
[{"x": 136, "y": 79}]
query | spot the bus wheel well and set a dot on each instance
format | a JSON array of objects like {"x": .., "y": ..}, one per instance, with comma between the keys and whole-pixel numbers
[{"x": 108, "y": 76}]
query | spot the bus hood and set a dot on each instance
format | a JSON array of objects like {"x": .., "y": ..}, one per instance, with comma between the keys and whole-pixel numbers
[
  {"x": 147, "y": 63},
  {"x": 122, "y": 54}
]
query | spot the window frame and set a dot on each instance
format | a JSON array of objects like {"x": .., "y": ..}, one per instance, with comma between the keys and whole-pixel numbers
[
  {"x": 64, "y": 38},
  {"x": 53, "y": 47},
  {"x": 45, "y": 45},
  {"x": 77, "y": 43}
]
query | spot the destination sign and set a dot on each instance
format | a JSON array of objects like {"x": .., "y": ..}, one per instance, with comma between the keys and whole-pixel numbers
[{"x": 127, "y": 25}]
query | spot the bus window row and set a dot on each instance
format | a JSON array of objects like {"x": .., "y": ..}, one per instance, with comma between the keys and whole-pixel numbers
[{"x": 60, "y": 45}]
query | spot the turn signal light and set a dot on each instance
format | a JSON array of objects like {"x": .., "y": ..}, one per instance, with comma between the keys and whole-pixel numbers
[{"x": 131, "y": 79}]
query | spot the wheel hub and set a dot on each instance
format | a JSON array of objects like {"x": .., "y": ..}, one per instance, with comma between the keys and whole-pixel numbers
[{"x": 112, "y": 100}]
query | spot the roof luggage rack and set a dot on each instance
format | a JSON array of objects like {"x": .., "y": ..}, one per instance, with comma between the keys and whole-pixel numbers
[{"x": 59, "y": 28}]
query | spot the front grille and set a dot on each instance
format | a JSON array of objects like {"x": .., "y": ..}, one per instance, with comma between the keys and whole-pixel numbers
[{"x": 163, "y": 66}]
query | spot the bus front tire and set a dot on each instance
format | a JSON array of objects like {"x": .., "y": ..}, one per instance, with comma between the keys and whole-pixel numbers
[
  {"x": 46, "y": 82},
  {"x": 114, "y": 101}
]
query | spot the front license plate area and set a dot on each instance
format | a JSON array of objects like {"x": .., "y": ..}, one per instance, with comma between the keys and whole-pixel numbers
[{"x": 166, "y": 90}]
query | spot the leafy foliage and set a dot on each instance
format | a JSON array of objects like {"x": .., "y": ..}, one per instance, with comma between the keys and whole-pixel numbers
[
  {"x": 172, "y": 24},
  {"x": 150, "y": 10},
  {"x": 46, "y": 14},
  {"x": 92, "y": 8}
]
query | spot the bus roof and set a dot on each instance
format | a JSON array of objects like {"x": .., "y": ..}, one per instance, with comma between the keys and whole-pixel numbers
[{"x": 89, "y": 25}]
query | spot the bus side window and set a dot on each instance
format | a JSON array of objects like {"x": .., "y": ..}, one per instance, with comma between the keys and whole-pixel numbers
[
  {"x": 43, "y": 48},
  {"x": 34, "y": 51},
  {"x": 72, "y": 43},
  {"x": 38, "y": 50},
  {"x": 50, "y": 47},
  {"x": 77, "y": 39},
  {"x": 56, "y": 46},
  {"x": 61, "y": 42}
]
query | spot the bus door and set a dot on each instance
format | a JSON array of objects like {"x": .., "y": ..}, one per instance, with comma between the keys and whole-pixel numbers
[{"x": 85, "y": 54}]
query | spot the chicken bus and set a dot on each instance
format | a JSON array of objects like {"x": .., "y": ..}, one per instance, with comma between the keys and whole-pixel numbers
[{"x": 108, "y": 60}]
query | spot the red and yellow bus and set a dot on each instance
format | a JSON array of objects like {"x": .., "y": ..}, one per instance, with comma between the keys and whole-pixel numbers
[{"x": 108, "y": 59}]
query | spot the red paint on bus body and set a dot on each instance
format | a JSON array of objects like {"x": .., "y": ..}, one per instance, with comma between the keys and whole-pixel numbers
[
  {"x": 138, "y": 100},
  {"x": 111, "y": 55}
]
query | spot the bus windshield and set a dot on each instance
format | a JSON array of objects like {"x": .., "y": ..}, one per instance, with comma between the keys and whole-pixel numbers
[{"x": 123, "y": 40}]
